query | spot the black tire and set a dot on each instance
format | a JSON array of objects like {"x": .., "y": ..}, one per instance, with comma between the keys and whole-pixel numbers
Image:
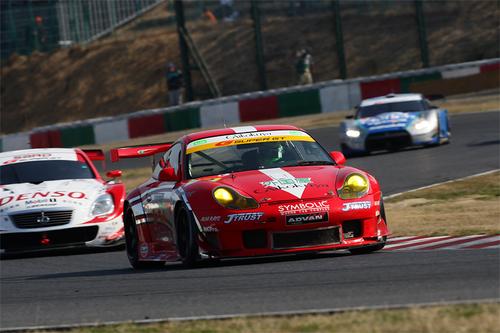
[
  {"x": 187, "y": 236},
  {"x": 132, "y": 244},
  {"x": 376, "y": 247}
]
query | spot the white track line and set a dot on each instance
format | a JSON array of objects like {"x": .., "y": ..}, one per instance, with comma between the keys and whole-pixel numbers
[{"x": 441, "y": 242}]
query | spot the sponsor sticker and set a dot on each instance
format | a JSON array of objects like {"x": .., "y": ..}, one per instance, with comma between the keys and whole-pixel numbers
[
  {"x": 304, "y": 207},
  {"x": 246, "y": 138},
  {"x": 50, "y": 194},
  {"x": 283, "y": 180},
  {"x": 243, "y": 217},
  {"x": 210, "y": 219},
  {"x": 210, "y": 229},
  {"x": 306, "y": 218},
  {"x": 356, "y": 205},
  {"x": 69, "y": 156},
  {"x": 144, "y": 250}
]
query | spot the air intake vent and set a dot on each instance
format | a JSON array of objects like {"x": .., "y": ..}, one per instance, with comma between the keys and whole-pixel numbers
[{"x": 42, "y": 219}]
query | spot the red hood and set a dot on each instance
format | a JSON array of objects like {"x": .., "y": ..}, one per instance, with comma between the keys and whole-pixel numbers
[{"x": 284, "y": 184}]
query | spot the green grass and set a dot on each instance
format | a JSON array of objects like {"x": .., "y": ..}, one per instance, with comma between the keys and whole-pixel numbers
[{"x": 482, "y": 318}]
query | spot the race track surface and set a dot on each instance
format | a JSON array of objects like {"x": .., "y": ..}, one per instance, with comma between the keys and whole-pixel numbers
[{"x": 72, "y": 288}]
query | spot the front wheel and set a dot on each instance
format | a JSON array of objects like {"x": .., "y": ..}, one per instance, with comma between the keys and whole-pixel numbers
[
  {"x": 187, "y": 236},
  {"x": 132, "y": 244}
]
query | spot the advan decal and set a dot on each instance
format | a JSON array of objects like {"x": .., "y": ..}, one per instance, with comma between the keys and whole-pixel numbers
[{"x": 306, "y": 218}]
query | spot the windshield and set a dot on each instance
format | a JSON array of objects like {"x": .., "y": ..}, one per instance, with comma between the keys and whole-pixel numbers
[
  {"x": 376, "y": 109},
  {"x": 39, "y": 171},
  {"x": 244, "y": 156}
]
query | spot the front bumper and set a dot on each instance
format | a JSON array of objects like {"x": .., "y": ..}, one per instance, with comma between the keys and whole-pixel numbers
[
  {"x": 272, "y": 235},
  {"x": 389, "y": 140},
  {"x": 109, "y": 233}
]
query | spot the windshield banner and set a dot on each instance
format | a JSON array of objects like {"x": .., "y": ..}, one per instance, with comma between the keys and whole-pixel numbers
[
  {"x": 39, "y": 156},
  {"x": 246, "y": 138}
]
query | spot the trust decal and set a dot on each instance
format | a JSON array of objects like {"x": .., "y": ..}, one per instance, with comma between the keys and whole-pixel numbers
[{"x": 356, "y": 205}]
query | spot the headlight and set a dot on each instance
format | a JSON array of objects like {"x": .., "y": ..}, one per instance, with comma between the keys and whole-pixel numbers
[
  {"x": 352, "y": 133},
  {"x": 229, "y": 198},
  {"x": 422, "y": 124},
  {"x": 103, "y": 205},
  {"x": 355, "y": 186}
]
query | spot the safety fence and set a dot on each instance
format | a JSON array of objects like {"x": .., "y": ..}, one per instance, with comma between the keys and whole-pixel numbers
[
  {"x": 329, "y": 96},
  {"x": 44, "y": 25}
]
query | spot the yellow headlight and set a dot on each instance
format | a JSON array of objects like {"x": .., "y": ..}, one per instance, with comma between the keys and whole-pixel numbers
[
  {"x": 229, "y": 198},
  {"x": 223, "y": 196},
  {"x": 355, "y": 186}
]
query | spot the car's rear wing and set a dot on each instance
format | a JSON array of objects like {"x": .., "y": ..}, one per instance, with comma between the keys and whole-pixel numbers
[
  {"x": 94, "y": 154},
  {"x": 138, "y": 151}
]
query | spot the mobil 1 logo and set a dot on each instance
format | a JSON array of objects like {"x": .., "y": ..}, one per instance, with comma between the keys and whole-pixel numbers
[{"x": 306, "y": 218}]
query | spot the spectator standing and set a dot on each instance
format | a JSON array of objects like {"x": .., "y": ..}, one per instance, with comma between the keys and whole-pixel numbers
[
  {"x": 36, "y": 35},
  {"x": 303, "y": 67},
  {"x": 209, "y": 15},
  {"x": 174, "y": 85}
]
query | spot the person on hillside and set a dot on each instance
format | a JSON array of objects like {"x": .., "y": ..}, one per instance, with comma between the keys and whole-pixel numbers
[
  {"x": 303, "y": 67},
  {"x": 174, "y": 85},
  {"x": 209, "y": 16}
]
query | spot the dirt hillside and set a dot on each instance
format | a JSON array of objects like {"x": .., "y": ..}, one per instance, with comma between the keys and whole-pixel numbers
[{"x": 124, "y": 73}]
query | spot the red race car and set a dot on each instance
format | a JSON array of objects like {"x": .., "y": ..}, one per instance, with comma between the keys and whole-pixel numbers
[{"x": 249, "y": 191}]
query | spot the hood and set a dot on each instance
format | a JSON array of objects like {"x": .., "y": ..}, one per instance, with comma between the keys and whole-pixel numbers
[
  {"x": 284, "y": 184},
  {"x": 389, "y": 120},
  {"x": 78, "y": 194}
]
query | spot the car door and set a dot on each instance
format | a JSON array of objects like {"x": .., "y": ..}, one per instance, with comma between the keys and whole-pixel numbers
[{"x": 159, "y": 203}]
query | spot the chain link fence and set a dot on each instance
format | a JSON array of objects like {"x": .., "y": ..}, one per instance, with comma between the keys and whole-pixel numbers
[
  {"x": 45, "y": 25},
  {"x": 252, "y": 45}
]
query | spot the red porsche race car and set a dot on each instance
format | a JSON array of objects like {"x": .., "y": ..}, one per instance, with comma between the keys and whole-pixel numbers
[{"x": 249, "y": 191}]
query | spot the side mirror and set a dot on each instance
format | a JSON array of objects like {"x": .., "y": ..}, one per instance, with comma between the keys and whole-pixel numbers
[
  {"x": 168, "y": 175},
  {"x": 338, "y": 157},
  {"x": 114, "y": 174}
]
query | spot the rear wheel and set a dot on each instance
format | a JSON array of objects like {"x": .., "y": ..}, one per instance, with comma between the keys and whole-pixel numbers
[
  {"x": 187, "y": 236},
  {"x": 132, "y": 244},
  {"x": 376, "y": 247}
]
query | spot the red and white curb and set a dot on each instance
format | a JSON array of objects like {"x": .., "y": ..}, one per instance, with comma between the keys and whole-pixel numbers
[{"x": 411, "y": 243}]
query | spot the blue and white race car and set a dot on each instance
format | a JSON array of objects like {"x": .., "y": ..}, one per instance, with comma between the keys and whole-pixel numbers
[{"x": 393, "y": 122}]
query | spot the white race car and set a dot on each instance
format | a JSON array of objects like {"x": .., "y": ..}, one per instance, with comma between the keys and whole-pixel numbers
[{"x": 53, "y": 198}]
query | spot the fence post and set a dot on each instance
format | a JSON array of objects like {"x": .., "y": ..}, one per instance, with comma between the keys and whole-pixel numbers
[
  {"x": 12, "y": 28},
  {"x": 339, "y": 40},
  {"x": 422, "y": 33},
  {"x": 259, "y": 49},
  {"x": 186, "y": 69}
]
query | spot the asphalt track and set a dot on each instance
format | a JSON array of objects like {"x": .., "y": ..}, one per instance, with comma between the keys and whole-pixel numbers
[{"x": 75, "y": 288}]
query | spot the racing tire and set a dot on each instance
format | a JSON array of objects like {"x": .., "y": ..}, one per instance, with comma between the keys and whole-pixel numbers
[
  {"x": 187, "y": 236},
  {"x": 132, "y": 244},
  {"x": 376, "y": 247}
]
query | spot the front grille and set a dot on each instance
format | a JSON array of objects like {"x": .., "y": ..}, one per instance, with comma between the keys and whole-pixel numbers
[
  {"x": 56, "y": 238},
  {"x": 42, "y": 219},
  {"x": 352, "y": 228},
  {"x": 255, "y": 239},
  {"x": 388, "y": 140},
  {"x": 306, "y": 238}
]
